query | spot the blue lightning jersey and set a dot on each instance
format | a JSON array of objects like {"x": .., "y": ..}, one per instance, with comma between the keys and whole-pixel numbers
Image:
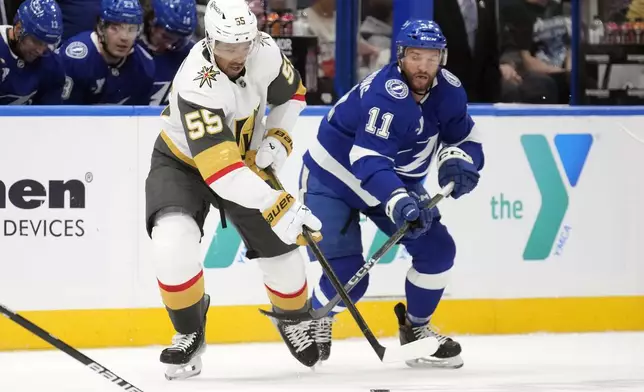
[
  {"x": 166, "y": 66},
  {"x": 40, "y": 82},
  {"x": 377, "y": 138},
  {"x": 90, "y": 80}
]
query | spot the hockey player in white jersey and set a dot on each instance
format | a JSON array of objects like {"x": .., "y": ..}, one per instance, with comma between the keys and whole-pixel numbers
[{"x": 211, "y": 151}]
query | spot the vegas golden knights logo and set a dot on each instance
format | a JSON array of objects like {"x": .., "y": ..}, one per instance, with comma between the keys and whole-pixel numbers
[{"x": 244, "y": 132}]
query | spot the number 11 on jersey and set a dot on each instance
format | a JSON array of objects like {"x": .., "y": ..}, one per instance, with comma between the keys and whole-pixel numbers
[{"x": 383, "y": 131}]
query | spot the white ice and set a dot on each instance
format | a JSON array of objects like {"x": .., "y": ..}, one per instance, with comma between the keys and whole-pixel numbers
[{"x": 529, "y": 363}]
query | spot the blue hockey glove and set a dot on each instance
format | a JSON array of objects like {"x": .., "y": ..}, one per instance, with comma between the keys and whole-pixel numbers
[
  {"x": 402, "y": 207},
  {"x": 455, "y": 165},
  {"x": 419, "y": 193}
]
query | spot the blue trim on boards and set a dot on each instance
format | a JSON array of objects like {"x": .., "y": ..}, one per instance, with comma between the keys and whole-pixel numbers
[
  {"x": 474, "y": 110},
  {"x": 79, "y": 111}
]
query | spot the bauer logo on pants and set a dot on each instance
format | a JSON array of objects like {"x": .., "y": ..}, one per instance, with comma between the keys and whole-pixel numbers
[{"x": 573, "y": 150}]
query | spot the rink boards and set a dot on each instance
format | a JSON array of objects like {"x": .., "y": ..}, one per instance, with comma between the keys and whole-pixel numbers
[{"x": 551, "y": 240}]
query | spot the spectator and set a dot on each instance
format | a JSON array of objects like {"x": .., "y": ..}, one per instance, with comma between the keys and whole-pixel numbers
[
  {"x": 30, "y": 72},
  {"x": 471, "y": 30},
  {"x": 106, "y": 66},
  {"x": 321, "y": 22},
  {"x": 320, "y": 18},
  {"x": 168, "y": 27},
  {"x": 536, "y": 36},
  {"x": 376, "y": 30}
]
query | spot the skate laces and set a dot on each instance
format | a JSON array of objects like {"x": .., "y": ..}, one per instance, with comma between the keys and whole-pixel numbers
[
  {"x": 182, "y": 342},
  {"x": 322, "y": 329},
  {"x": 298, "y": 335},
  {"x": 426, "y": 331}
]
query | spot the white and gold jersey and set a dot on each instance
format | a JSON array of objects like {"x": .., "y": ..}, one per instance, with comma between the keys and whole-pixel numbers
[{"x": 212, "y": 121}]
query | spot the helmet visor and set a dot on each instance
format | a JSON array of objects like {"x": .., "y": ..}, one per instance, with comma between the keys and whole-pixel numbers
[
  {"x": 426, "y": 58},
  {"x": 32, "y": 42},
  {"x": 169, "y": 40},
  {"x": 123, "y": 30},
  {"x": 230, "y": 51}
]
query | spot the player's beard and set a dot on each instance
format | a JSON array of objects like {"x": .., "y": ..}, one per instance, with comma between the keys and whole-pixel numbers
[
  {"x": 27, "y": 53},
  {"x": 420, "y": 82},
  {"x": 30, "y": 56},
  {"x": 234, "y": 68}
]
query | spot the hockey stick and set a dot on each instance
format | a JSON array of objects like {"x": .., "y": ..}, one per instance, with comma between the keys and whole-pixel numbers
[
  {"x": 69, "y": 350},
  {"x": 409, "y": 351},
  {"x": 406, "y": 352},
  {"x": 316, "y": 314}
]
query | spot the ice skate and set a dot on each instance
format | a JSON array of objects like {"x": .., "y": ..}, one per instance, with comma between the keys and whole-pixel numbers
[
  {"x": 183, "y": 357},
  {"x": 447, "y": 355},
  {"x": 299, "y": 339},
  {"x": 322, "y": 330}
]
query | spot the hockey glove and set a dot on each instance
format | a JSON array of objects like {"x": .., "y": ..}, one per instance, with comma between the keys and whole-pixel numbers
[
  {"x": 419, "y": 193},
  {"x": 275, "y": 148},
  {"x": 455, "y": 165},
  {"x": 287, "y": 217},
  {"x": 402, "y": 207}
]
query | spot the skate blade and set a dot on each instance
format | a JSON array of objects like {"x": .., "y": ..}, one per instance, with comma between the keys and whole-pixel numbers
[
  {"x": 181, "y": 372},
  {"x": 410, "y": 351},
  {"x": 439, "y": 363},
  {"x": 319, "y": 364}
]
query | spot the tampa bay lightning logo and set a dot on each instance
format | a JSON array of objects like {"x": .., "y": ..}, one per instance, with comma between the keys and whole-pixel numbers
[
  {"x": 36, "y": 8},
  {"x": 451, "y": 78},
  {"x": 76, "y": 50},
  {"x": 397, "y": 88}
]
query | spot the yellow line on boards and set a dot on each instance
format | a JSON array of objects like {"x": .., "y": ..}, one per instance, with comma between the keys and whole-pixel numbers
[{"x": 237, "y": 324}]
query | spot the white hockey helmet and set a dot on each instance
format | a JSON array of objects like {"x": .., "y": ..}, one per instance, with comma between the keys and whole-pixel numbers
[{"x": 231, "y": 23}]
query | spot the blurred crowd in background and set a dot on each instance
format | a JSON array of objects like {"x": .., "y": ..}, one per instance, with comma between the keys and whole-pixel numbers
[{"x": 502, "y": 50}]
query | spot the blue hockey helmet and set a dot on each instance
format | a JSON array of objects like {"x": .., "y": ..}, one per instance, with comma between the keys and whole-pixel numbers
[
  {"x": 41, "y": 19},
  {"x": 122, "y": 11},
  {"x": 423, "y": 34},
  {"x": 176, "y": 16}
]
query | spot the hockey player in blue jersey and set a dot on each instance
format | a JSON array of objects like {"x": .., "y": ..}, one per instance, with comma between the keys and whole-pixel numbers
[
  {"x": 106, "y": 66},
  {"x": 371, "y": 156},
  {"x": 169, "y": 25},
  {"x": 30, "y": 72}
]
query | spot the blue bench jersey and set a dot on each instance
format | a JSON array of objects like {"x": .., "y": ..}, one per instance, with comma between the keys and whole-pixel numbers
[
  {"x": 40, "y": 82},
  {"x": 377, "y": 138},
  {"x": 90, "y": 80},
  {"x": 166, "y": 66}
]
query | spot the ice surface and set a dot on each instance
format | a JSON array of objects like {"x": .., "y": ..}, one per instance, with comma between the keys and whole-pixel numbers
[{"x": 526, "y": 363}]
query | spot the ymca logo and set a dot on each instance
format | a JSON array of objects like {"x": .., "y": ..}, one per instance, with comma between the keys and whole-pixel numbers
[
  {"x": 573, "y": 150},
  {"x": 226, "y": 248}
]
